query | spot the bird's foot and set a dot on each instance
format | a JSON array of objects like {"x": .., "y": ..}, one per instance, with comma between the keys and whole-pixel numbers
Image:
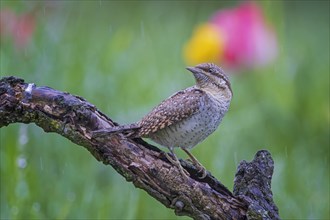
[
  {"x": 177, "y": 163},
  {"x": 200, "y": 168}
]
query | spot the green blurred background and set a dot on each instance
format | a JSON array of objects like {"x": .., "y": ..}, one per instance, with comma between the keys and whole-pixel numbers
[{"x": 125, "y": 57}]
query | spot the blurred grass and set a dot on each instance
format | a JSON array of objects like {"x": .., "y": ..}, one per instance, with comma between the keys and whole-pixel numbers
[{"x": 125, "y": 57}]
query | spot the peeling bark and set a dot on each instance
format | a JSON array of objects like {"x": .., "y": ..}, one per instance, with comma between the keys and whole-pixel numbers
[{"x": 139, "y": 162}]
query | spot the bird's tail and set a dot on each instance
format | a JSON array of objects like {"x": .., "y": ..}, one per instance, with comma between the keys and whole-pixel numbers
[{"x": 130, "y": 130}]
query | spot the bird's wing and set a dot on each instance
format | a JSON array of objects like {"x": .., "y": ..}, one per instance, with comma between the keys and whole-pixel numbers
[{"x": 179, "y": 106}]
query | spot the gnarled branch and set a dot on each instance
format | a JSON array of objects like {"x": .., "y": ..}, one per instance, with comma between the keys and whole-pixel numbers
[{"x": 139, "y": 162}]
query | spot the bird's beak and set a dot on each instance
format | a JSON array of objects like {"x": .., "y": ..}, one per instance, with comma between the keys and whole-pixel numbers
[
  {"x": 198, "y": 73},
  {"x": 194, "y": 70}
]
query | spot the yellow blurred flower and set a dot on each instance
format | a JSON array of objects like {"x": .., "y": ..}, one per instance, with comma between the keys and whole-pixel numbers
[
  {"x": 237, "y": 37},
  {"x": 206, "y": 45}
]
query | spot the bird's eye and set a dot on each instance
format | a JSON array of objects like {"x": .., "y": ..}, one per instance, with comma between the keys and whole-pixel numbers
[{"x": 212, "y": 70}]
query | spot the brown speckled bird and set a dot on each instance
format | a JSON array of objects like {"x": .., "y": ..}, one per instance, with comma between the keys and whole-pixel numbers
[{"x": 187, "y": 117}]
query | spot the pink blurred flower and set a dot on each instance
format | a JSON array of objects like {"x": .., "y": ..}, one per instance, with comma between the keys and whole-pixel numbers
[
  {"x": 19, "y": 28},
  {"x": 245, "y": 38}
]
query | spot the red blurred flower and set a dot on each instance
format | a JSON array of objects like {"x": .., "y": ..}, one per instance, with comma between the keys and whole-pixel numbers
[
  {"x": 245, "y": 39},
  {"x": 19, "y": 28}
]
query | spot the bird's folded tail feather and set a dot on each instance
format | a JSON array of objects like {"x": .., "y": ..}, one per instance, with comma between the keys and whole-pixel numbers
[{"x": 130, "y": 131}]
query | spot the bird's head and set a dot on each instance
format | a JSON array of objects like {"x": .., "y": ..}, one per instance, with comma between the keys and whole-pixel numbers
[{"x": 211, "y": 78}]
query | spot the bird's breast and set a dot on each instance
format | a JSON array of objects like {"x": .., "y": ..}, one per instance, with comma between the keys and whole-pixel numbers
[{"x": 194, "y": 129}]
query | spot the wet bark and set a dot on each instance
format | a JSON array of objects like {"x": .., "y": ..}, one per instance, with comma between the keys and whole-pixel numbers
[{"x": 139, "y": 162}]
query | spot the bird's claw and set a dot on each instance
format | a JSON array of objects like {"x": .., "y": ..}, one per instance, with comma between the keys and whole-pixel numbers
[{"x": 177, "y": 163}]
